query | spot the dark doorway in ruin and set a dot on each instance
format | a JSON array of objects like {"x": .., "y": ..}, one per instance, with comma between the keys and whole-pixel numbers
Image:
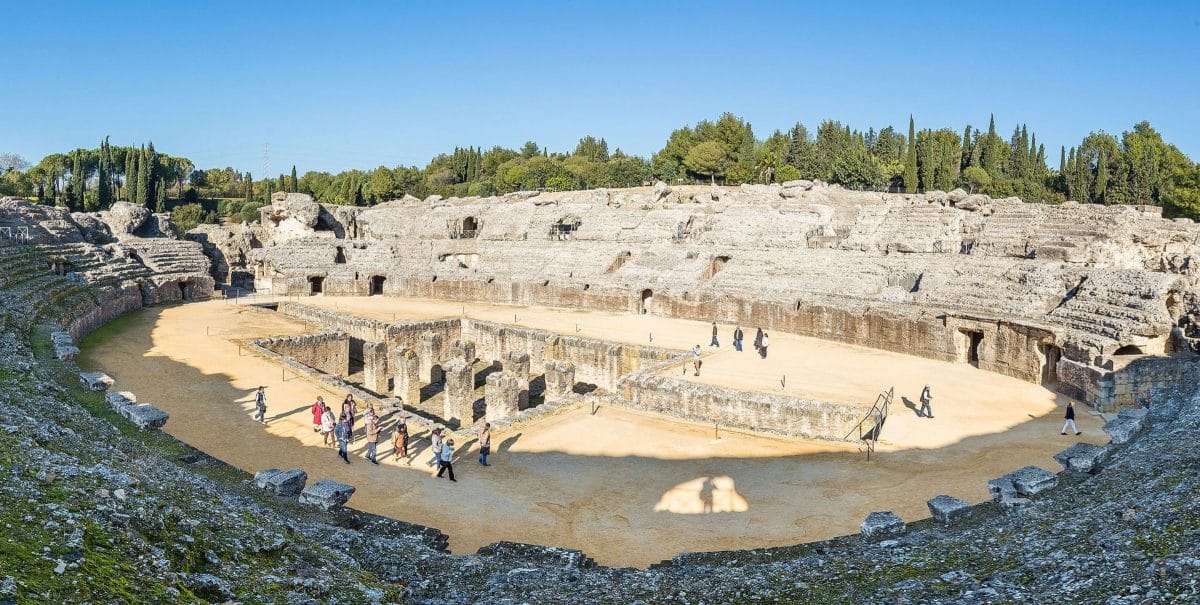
[
  {"x": 470, "y": 227},
  {"x": 647, "y": 302},
  {"x": 969, "y": 346},
  {"x": 1129, "y": 350},
  {"x": 377, "y": 285},
  {"x": 1050, "y": 354},
  {"x": 316, "y": 285},
  {"x": 341, "y": 256}
]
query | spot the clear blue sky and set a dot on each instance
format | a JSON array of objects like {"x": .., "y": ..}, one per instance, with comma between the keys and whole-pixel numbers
[{"x": 351, "y": 84}]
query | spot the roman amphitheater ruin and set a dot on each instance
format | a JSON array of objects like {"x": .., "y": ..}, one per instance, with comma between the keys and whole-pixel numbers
[{"x": 567, "y": 321}]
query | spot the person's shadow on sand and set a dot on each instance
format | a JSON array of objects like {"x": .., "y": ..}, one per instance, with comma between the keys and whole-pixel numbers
[{"x": 706, "y": 495}]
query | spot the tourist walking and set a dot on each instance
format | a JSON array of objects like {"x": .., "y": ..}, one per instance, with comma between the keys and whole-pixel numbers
[
  {"x": 400, "y": 438},
  {"x": 435, "y": 436},
  {"x": 926, "y": 399},
  {"x": 762, "y": 350},
  {"x": 342, "y": 432},
  {"x": 318, "y": 408},
  {"x": 737, "y": 339},
  {"x": 445, "y": 463},
  {"x": 696, "y": 360},
  {"x": 327, "y": 425},
  {"x": 714, "y": 342},
  {"x": 260, "y": 404},
  {"x": 485, "y": 443},
  {"x": 1070, "y": 419},
  {"x": 372, "y": 434},
  {"x": 348, "y": 410},
  {"x": 758, "y": 341}
]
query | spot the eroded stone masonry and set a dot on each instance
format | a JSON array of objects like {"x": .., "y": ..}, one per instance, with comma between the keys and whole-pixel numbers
[{"x": 1097, "y": 302}]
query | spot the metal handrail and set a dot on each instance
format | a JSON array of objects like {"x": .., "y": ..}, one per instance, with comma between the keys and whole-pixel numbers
[{"x": 878, "y": 415}]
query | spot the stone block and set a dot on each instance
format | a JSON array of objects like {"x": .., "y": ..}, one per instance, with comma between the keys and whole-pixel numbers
[
  {"x": 502, "y": 394},
  {"x": 881, "y": 526},
  {"x": 464, "y": 350},
  {"x": 947, "y": 510},
  {"x": 327, "y": 494},
  {"x": 406, "y": 376},
  {"x": 459, "y": 393},
  {"x": 1031, "y": 480},
  {"x": 96, "y": 381},
  {"x": 1122, "y": 430},
  {"x": 64, "y": 345},
  {"x": 281, "y": 483},
  {"x": 1082, "y": 458},
  {"x": 560, "y": 379},
  {"x": 145, "y": 416}
]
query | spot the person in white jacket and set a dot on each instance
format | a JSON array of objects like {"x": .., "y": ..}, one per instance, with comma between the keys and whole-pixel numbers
[{"x": 445, "y": 460}]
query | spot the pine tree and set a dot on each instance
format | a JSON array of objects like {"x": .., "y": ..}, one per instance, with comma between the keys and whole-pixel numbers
[
  {"x": 910, "y": 159},
  {"x": 295, "y": 181}
]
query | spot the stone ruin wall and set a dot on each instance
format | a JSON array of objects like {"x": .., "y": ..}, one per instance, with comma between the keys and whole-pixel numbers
[
  {"x": 1052, "y": 293},
  {"x": 326, "y": 352}
]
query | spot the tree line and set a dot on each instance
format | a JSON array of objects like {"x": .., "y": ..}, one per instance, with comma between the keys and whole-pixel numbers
[{"x": 1138, "y": 167}]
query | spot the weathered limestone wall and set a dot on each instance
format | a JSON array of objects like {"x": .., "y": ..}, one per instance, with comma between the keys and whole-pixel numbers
[
  {"x": 375, "y": 367},
  {"x": 406, "y": 375},
  {"x": 327, "y": 352},
  {"x": 115, "y": 304},
  {"x": 459, "y": 405},
  {"x": 748, "y": 410}
]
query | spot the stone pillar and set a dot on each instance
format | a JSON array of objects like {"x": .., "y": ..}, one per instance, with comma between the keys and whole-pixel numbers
[
  {"x": 516, "y": 364},
  {"x": 553, "y": 347},
  {"x": 431, "y": 357},
  {"x": 406, "y": 372},
  {"x": 464, "y": 350},
  {"x": 502, "y": 395},
  {"x": 459, "y": 393},
  {"x": 560, "y": 380},
  {"x": 375, "y": 367}
]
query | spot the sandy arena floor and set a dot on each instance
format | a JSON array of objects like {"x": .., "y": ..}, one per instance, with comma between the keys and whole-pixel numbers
[{"x": 626, "y": 488}]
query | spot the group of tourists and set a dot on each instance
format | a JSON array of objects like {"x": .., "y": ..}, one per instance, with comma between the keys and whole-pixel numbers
[{"x": 761, "y": 341}]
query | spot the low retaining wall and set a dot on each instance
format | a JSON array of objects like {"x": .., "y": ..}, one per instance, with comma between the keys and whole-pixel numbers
[{"x": 762, "y": 412}]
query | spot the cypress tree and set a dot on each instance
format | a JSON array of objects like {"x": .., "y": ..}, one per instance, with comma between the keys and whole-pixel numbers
[
  {"x": 103, "y": 186},
  {"x": 131, "y": 176},
  {"x": 142, "y": 195},
  {"x": 1100, "y": 187},
  {"x": 910, "y": 159},
  {"x": 965, "y": 160}
]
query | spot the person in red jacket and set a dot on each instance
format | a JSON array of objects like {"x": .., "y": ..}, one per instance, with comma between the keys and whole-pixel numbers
[{"x": 318, "y": 408}]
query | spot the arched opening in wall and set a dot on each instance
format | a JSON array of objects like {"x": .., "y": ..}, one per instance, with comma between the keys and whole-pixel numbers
[
  {"x": 1129, "y": 350},
  {"x": 377, "y": 285},
  {"x": 715, "y": 266},
  {"x": 968, "y": 342},
  {"x": 618, "y": 262},
  {"x": 341, "y": 256},
  {"x": 468, "y": 228},
  {"x": 185, "y": 290},
  {"x": 316, "y": 284},
  {"x": 647, "y": 302},
  {"x": 1051, "y": 354}
]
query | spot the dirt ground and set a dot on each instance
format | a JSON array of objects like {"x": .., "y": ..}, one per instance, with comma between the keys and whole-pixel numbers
[{"x": 626, "y": 488}]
